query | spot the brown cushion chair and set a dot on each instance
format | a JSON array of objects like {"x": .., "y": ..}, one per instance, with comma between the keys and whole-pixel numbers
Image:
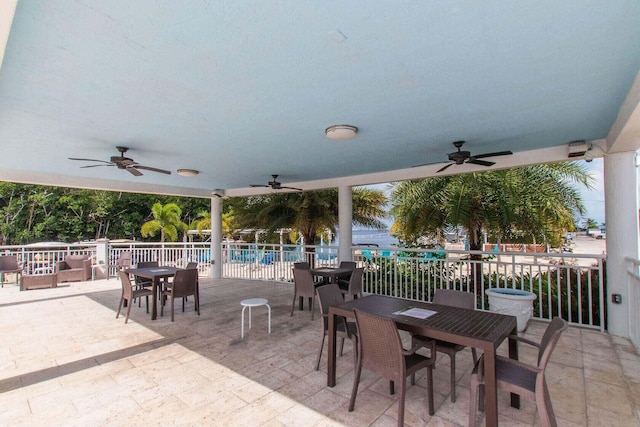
[
  {"x": 74, "y": 268},
  {"x": 9, "y": 264},
  {"x": 516, "y": 377}
]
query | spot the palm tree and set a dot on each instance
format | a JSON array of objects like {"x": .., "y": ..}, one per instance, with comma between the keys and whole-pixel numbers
[
  {"x": 203, "y": 222},
  {"x": 310, "y": 212},
  {"x": 166, "y": 220},
  {"x": 537, "y": 202}
]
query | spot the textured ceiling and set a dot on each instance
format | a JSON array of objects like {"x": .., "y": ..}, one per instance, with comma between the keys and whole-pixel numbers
[{"x": 242, "y": 90}]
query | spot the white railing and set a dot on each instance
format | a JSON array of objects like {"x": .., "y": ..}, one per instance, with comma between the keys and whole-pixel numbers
[
  {"x": 633, "y": 274},
  {"x": 566, "y": 285}
]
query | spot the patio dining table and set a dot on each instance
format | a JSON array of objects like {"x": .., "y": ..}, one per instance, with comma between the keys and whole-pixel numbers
[
  {"x": 155, "y": 274},
  {"x": 332, "y": 274},
  {"x": 472, "y": 328}
]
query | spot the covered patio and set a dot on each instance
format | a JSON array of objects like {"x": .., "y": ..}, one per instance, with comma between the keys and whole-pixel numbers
[{"x": 66, "y": 360}]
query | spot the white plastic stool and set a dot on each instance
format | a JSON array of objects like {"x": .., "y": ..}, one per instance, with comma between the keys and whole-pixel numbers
[{"x": 254, "y": 302}]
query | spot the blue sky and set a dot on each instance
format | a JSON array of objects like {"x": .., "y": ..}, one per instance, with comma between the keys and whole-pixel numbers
[{"x": 594, "y": 199}]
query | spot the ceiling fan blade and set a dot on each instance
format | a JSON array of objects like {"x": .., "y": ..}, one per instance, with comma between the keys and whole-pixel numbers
[
  {"x": 480, "y": 162},
  {"x": 149, "y": 168},
  {"x": 497, "y": 153},
  {"x": 95, "y": 166},
  {"x": 290, "y": 188},
  {"x": 444, "y": 167},
  {"x": 258, "y": 185},
  {"x": 133, "y": 171},
  {"x": 88, "y": 160}
]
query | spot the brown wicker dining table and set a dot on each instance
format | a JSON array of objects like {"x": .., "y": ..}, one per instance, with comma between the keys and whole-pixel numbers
[
  {"x": 332, "y": 274},
  {"x": 472, "y": 328},
  {"x": 155, "y": 274}
]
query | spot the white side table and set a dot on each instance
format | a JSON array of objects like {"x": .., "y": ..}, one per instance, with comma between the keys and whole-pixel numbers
[{"x": 254, "y": 302}]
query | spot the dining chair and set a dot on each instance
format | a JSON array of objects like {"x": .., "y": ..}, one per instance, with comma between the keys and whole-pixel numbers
[
  {"x": 185, "y": 283},
  {"x": 458, "y": 299},
  {"x": 352, "y": 287},
  {"x": 521, "y": 378},
  {"x": 380, "y": 350},
  {"x": 129, "y": 294},
  {"x": 330, "y": 295},
  {"x": 348, "y": 264},
  {"x": 304, "y": 286},
  {"x": 143, "y": 282},
  {"x": 301, "y": 264}
]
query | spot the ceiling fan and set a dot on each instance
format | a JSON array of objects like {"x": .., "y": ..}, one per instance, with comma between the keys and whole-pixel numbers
[
  {"x": 459, "y": 157},
  {"x": 275, "y": 185},
  {"x": 122, "y": 162}
]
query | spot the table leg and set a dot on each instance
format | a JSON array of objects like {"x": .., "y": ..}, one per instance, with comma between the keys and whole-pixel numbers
[
  {"x": 513, "y": 354},
  {"x": 331, "y": 368},
  {"x": 491, "y": 389},
  {"x": 154, "y": 291}
]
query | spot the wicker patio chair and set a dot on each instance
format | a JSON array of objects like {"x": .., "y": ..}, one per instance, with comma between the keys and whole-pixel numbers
[
  {"x": 381, "y": 351},
  {"x": 521, "y": 378},
  {"x": 352, "y": 287},
  {"x": 458, "y": 299},
  {"x": 301, "y": 264},
  {"x": 129, "y": 294},
  {"x": 304, "y": 286},
  {"x": 330, "y": 295},
  {"x": 9, "y": 264},
  {"x": 185, "y": 283},
  {"x": 74, "y": 268}
]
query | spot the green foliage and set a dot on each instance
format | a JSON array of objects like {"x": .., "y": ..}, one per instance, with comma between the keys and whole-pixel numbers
[
  {"x": 308, "y": 212},
  {"x": 529, "y": 204},
  {"x": 166, "y": 220},
  {"x": 33, "y": 213}
]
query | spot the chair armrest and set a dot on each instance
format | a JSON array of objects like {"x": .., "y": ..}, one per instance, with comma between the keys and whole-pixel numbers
[
  {"x": 420, "y": 342},
  {"x": 524, "y": 340},
  {"x": 520, "y": 364}
]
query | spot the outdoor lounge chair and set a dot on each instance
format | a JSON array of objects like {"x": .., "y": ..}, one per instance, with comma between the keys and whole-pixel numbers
[
  {"x": 74, "y": 268},
  {"x": 381, "y": 351},
  {"x": 520, "y": 378},
  {"x": 9, "y": 264}
]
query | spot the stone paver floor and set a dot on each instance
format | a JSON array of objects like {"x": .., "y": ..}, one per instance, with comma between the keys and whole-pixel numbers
[{"x": 66, "y": 360}]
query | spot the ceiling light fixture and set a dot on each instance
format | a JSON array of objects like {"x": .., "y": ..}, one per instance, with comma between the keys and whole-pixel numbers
[
  {"x": 341, "y": 132},
  {"x": 188, "y": 172}
]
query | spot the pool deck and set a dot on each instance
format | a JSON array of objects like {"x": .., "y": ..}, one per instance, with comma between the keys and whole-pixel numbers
[{"x": 66, "y": 360}]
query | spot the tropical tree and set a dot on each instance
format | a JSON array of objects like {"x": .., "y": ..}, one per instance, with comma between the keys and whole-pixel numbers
[
  {"x": 310, "y": 212},
  {"x": 535, "y": 202},
  {"x": 166, "y": 220},
  {"x": 203, "y": 222}
]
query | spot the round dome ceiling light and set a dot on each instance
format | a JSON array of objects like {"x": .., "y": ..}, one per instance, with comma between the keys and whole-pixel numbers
[
  {"x": 338, "y": 132},
  {"x": 188, "y": 172}
]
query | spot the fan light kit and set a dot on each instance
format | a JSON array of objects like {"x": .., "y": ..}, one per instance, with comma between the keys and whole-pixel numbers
[
  {"x": 188, "y": 172},
  {"x": 340, "y": 132}
]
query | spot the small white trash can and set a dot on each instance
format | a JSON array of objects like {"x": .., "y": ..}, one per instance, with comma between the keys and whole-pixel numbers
[{"x": 513, "y": 302}]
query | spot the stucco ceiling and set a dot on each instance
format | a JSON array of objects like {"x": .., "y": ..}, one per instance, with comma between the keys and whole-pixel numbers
[{"x": 245, "y": 89}]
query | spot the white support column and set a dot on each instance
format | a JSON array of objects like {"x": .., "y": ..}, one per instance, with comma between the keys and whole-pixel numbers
[
  {"x": 216, "y": 238},
  {"x": 621, "y": 211},
  {"x": 345, "y": 221}
]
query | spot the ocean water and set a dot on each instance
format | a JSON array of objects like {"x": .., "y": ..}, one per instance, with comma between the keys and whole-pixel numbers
[{"x": 374, "y": 237}]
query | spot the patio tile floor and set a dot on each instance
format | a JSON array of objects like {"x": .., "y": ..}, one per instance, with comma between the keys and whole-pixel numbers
[{"x": 66, "y": 360}]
